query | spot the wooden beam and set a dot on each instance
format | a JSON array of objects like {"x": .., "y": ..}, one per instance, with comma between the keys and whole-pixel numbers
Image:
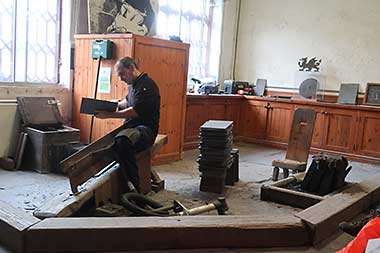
[
  {"x": 160, "y": 141},
  {"x": 323, "y": 218},
  {"x": 69, "y": 163},
  {"x": 277, "y": 193},
  {"x": 89, "y": 162},
  {"x": 13, "y": 225},
  {"x": 289, "y": 197},
  {"x": 67, "y": 204},
  {"x": 159, "y": 233}
]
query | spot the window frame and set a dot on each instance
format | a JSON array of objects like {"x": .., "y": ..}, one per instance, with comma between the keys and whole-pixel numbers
[
  {"x": 14, "y": 44},
  {"x": 167, "y": 10}
]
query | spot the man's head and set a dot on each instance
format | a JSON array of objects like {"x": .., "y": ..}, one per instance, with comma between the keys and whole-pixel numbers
[{"x": 127, "y": 69}]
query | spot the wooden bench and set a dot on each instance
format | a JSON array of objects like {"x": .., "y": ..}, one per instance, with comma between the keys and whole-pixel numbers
[
  {"x": 105, "y": 185},
  {"x": 84, "y": 164},
  {"x": 144, "y": 162},
  {"x": 94, "y": 162}
]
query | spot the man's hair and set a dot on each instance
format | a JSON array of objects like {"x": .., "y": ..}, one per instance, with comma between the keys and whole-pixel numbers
[{"x": 126, "y": 62}]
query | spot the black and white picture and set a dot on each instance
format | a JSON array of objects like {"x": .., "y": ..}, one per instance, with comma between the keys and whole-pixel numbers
[
  {"x": 123, "y": 16},
  {"x": 309, "y": 65}
]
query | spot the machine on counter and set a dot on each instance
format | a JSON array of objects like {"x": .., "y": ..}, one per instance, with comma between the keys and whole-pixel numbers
[
  {"x": 237, "y": 87},
  {"x": 244, "y": 88},
  {"x": 205, "y": 86}
]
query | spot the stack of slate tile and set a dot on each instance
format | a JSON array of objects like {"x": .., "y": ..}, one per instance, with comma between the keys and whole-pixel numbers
[{"x": 215, "y": 154}]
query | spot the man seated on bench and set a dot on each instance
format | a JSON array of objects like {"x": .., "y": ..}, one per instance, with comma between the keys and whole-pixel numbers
[{"x": 141, "y": 110}]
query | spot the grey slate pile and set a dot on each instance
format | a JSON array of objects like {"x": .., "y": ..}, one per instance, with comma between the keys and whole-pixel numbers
[{"x": 215, "y": 154}]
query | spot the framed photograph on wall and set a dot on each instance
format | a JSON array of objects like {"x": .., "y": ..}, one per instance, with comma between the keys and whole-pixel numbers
[
  {"x": 123, "y": 16},
  {"x": 372, "y": 94}
]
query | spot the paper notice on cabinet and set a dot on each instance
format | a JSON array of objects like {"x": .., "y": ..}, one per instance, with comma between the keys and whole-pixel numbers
[{"x": 104, "y": 85}]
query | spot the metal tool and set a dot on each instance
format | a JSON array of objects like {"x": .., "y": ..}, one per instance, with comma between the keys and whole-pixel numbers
[
  {"x": 220, "y": 205},
  {"x": 144, "y": 206}
]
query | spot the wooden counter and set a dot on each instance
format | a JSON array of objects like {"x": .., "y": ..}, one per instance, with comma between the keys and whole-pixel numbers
[
  {"x": 351, "y": 130},
  {"x": 200, "y": 108}
]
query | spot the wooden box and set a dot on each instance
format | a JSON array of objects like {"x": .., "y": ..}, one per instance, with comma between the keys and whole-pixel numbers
[
  {"x": 42, "y": 147},
  {"x": 46, "y": 132}
]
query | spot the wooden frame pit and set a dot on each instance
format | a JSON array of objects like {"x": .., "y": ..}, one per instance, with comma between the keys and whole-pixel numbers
[
  {"x": 21, "y": 232},
  {"x": 277, "y": 193},
  {"x": 321, "y": 215}
]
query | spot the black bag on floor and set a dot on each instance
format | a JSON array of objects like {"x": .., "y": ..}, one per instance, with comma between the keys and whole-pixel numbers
[{"x": 325, "y": 174}]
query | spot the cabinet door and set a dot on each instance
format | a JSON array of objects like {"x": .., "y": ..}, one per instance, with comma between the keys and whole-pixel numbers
[
  {"x": 280, "y": 116},
  {"x": 368, "y": 138},
  {"x": 318, "y": 132},
  {"x": 254, "y": 119},
  {"x": 340, "y": 129},
  {"x": 233, "y": 114},
  {"x": 195, "y": 117},
  {"x": 216, "y": 110},
  {"x": 166, "y": 64}
]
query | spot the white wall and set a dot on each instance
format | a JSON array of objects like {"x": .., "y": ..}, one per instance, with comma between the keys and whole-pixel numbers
[
  {"x": 228, "y": 40},
  {"x": 274, "y": 34}
]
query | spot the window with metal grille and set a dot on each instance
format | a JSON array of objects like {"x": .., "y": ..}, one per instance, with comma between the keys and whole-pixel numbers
[
  {"x": 197, "y": 22},
  {"x": 29, "y": 40}
]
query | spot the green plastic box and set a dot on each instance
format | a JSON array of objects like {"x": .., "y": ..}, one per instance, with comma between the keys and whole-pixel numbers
[{"x": 102, "y": 48}]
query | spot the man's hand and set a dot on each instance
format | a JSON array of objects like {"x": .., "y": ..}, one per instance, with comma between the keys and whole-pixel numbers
[
  {"x": 104, "y": 114},
  {"x": 121, "y": 103},
  {"x": 125, "y": 113}
]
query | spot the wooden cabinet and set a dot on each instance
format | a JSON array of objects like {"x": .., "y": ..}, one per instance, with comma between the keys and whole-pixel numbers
[
  {"x": 334, "y": 129},
  {"x": 165, "y": 61},
  {"x": 254, "y": 119},
  {"x": 266, "y": 120},
  {"x": 201, "y": 108},
  {"x": 279, "y": 122},
  {"x": 353, "y": 131},
  {"x": 232, "y": 112},
  {"x": 339, "y": 129},
  {"x": 368, "y": 138}
]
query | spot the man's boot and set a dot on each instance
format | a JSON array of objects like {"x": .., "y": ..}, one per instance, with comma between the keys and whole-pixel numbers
[{"x": 354, "y": 227}]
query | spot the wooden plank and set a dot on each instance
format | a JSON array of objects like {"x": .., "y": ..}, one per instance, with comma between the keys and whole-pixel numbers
[
  {"x": 294, "y": 177},
  {"x": 323, "y": 218},
  {"x": 301, "y": 134},
  {"x": 13, "y": 224},
  {"x": 111, "y": 190},
  {"x": 144, "y": 163},
  {"x": 274, "y": 192},
  {"x": 160, "y": 141},
  {"x": 95, "y": 160},
  {"x": 289, "y": 197},
  {"x": 87, "y": 168},
  {"x": 160, "y": 233},
  {"x": 67, "y": 204},
  {"x": 106, "y": 140}
]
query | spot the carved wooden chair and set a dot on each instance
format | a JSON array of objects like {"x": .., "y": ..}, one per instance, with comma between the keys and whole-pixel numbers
[{"x": 299, "y": 144}]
